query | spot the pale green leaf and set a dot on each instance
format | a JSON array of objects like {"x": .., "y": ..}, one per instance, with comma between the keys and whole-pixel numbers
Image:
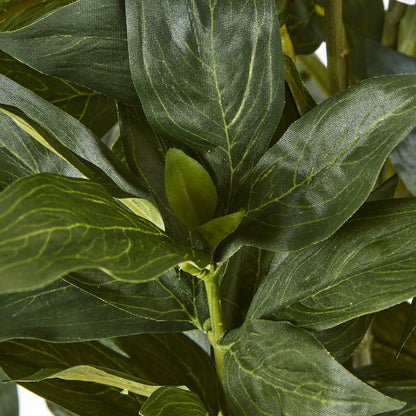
[
  {"x": 84, "y": 42},
  {"x": 325, "y": 165},
  {"x": 207, "y": 80},
  {"x": 277, "y": 369},
  {"x": 170, "y": 401},
  {"x": 367, "y": 266},
  {"x": 51, "y": 225}
]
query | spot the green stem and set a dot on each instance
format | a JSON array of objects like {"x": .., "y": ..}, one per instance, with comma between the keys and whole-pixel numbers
[
  {"x": 391, "y": 23},
  {"x": 335, "y": 45}
]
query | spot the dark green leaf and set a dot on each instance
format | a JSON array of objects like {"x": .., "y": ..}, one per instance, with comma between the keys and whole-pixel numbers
[
  {"x": 242, "y": 276},
  {"x": 305, "y": 26},
  {"x": 401, "y": 390},
  {"x": 18, "y": 13},
  {"x": 58, "y": 410},
  {"x": 385, "y": 191},
  {"x": 60, "y": 312},
  {"x": 208, "y": 81},
  {"x": 174, "y": 359},
  {"x": 359, "y": 26},
  {"x": 23, "y": 358},
  {"x": 169, "y": 297},
  {"x": 189, "y": 188},
  {"x": 342, "y": 340},
  {"x": 66, "y": 137},
  {"x": 96, "y": 111},
  {"x": 320, "y": 172},
  {"x": 84, "y": 42},
  {"x": 383, "y": 60},
  {"x": 277, "y": 369},
  {"x": 51, "y": 225},
  {"x": 9, "y": 402},
  {"x": 367, "y": 266},
  {"x": 409, "y": 328},
  {"x": 170, "y": 401}
]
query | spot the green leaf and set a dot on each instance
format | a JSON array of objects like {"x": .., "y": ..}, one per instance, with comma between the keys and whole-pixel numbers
[
  {"x": 18, "y": 13},
  {"x": 61, "y": 312},
  {"x": 168, "y": 297},
  {"x": 406, "y": 42},
  {"x": 84, "y": 42},
  {"x": 208, "y": 81},
  {"x": 175, "y": 360},
  {"x": 58, "y": 410},
  {"x": 242, "y": 276},
  {"x": 51, "y": 225},
  {"x": 409, "y": 328},
  {"x": 9, "y": 402},
  {"x": 367, "y": 24},
  {"x": 66, "y": 137},
  {"x": 191, "y": 193},
  {"x": 383, "y": 60},
  {"x": 401, "y": 390},
  {"x": 305, "y": 26},
  {"x": 170, "y": 401},
  {"x": 96, "y": 111},
  {"x": 320, "y": 172},
  {"x": 385, "y": 191},
  {"x": 275, "y": 368},
  {"x": 367, "y": 266},
  {"x": 342, "y": 340},
  {"x": 23, "y": 358}
]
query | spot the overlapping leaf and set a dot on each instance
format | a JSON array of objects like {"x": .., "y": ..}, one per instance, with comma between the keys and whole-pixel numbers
[
  {"x": 383, "y": 60},
  {"x": 170, "y": 401},
  {"x": 84, "y": 42},
  {"x": 208, "y": 81},
  {"x": 277, "y": 369},
  {"x": 168, "y": 297},
  {"x": 60, "y": 312},
  {"x": 9, "y": 402},
  {"x": 325, "y": 165},
  {"x": 66, "y": 137},
  {"x": 367, "y": 266},
  {"x": 96, "y": 111},
  {"x": 174, "y": 360},
  {"x": 23, "y": 358},
  {"x": 51, "y": 225}
]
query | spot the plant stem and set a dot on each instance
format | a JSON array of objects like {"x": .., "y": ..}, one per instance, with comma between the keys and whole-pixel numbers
[
  {"x": 335, "y": 45},
  {"x": 391, "y": 23},
  {"x": 217, "y": 322}
]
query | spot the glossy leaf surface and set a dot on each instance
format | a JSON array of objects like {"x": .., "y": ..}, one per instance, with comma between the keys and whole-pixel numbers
[
  {"x": 84, "y": 42},
  {"x": 207, "y": 81},
  {"x": 368, "y": 265},
  {"x": 320, "y": 172},
  {"x": 52, "y": 225},
  {"x": 170, "y": 401},
  {"x": 174, "y": 360},
  {"x": 276, "y": 369},
  {"x": 60, "y": 312},
  {"x": 66, "y": 137}
]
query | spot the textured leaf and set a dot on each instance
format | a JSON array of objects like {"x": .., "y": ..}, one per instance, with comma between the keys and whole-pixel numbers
[
  {"x": 169, "y": 297},
  {"x": 9, "y": 402},
  {"x": 170, "y": 401},
  {"x": 401, "y": 390},
  {"x": 51, "y": 225},
  {"x": 359, "y": 26},
  {"x": 84, "y": 42},
  {"x": 305, "y": 26},
  {"x": 325, "y": 165},
  {"x": 66, "y": 137},
  {"x": 275, "y": 368},
  {"x": 208, "y": 81},
  {"x": 342, "y": 340},
  {"x": 96, "y": 111},
  {"x": 22, "y": 358},
  {"x": 18, "y": 13},
  {"x": 191, "y": 193},
  {"x": 367, "y": 266},
  {"x": 383, "y": 60},
  {"x": 60, "y": 312},
  {"x": 175, "y": 360}
]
